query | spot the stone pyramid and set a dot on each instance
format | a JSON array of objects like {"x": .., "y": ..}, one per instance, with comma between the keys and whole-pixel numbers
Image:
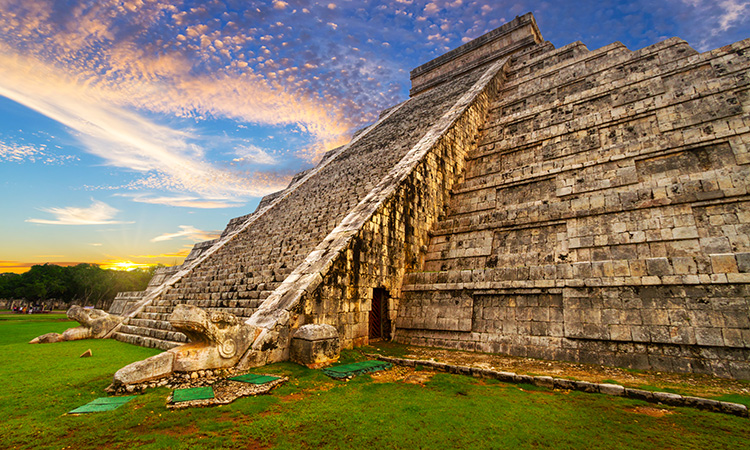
[{"x": 562, "y": 203}]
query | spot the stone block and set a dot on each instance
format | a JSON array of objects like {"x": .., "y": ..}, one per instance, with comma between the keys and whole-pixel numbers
[
  {"x": 639, "y": 394},
  {"x": 724, "y": 263},
  {"x": 743, "y": 262},
  {"x": 527, "y": 379},
  {"x": 668, "y": 398},
  {"x": 157, "y": 366},
  {"x": 611, "y": 389},
  {"x": 507, "y": 377},
  {"x": 735, "y": 409},
  {"x": 562, "y": 383},
  {"x": 585, "y": 386},
  {"x": 702, "y": 403},
  {"x": 709, "y": 337},
  {"x": 544, "y": 381},
  {"x": 658, "y": 266},
  {"x": 315, "y": 345}
]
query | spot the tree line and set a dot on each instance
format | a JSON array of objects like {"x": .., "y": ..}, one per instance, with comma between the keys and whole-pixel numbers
[{"x": 84, "y": 283}]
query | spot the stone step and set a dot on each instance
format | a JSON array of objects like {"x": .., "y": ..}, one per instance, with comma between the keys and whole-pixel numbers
[
  {"x": 158, "y": 324},
  {"x": 147, "y": 314},
  {"x": 153, "y": 333},
  {"x": 161, "y": 313},
  {"x": 145, "y": 341}
]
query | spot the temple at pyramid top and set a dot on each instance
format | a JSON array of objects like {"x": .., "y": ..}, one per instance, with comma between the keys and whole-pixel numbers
[{"x": 513, "y": 36}]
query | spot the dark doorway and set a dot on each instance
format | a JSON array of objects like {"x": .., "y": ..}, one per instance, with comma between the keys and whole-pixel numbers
[{"x": 380, "y": 326}]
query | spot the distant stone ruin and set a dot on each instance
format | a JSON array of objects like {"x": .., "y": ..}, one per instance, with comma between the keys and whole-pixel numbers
[{"x": 567, "y": 204}]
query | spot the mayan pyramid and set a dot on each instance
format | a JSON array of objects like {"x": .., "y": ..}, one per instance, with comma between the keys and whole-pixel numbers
[{"x": 561, "y": 203}]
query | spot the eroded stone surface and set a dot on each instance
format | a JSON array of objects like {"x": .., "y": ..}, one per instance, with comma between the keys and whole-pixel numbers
[
  {"x": 95, "y": 324},
  {"x": 153, "y": 368},
  {"x": 603, "y": 217},
  {"x": 315, "y": 345},
  {"x": 217, "y": 340}
]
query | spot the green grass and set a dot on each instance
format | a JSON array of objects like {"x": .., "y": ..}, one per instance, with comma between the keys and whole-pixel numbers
[
  {"x": 734, "y": 398},
  {"x": 34, "y": 317},
  {"x": 649, "y": 387},
  {"x": 42, "y": 382}
]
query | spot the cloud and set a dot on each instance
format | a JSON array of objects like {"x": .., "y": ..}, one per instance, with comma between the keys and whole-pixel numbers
[
  {"x": 431, "y": 8},
  {"x": 120, "y": 137},
  {"x": 178, "y": 254},
  {"x": 734, "y": 12},
  {"x": 265, "y": 65},
  {"x": 188, "y": 232},
  {"x": 106, "y": 75},
  {"x": 186, "y": 202},
  {"x": 710, "y": 21},
  {"x": 99, "y": 213},
  {"x": 19, "y": 153},
  {"x": 253, "y": 154}
]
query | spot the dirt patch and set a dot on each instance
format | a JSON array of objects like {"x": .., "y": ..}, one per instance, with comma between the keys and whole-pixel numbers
[
  {"x": 402, "y": 374},
  {"x": 248, "y": 443},
  {"x": 181, "y": 431},
  {"x": 252, "y": 444},
  {"x": 420, "y": 378},
  {"x": 650, "y": 411},
  {"x": 292, "y": 397}
]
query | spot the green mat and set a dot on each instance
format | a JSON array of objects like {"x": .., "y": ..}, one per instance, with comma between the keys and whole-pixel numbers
[
  {"x": 254, "y": 378},
  {"x": 102, "y": 404},
  {"x": 349, "y": 370},
  {"x": 196, "y": 393}
]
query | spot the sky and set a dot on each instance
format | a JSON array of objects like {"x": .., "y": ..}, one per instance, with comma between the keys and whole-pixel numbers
[{"x": 130, "y": 130}]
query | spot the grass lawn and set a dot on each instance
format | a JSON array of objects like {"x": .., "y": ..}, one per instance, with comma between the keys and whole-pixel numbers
[{"x": 42, "y": 382}]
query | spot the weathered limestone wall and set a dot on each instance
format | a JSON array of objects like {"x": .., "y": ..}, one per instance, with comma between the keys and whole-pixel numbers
[
  {"x": 604, "y": 216},
  {"x": 392, "y": 239},
  {"x": 382, "y": 236}
]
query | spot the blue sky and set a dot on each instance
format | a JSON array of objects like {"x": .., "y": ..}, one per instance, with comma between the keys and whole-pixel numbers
[{"x": 129, "y": 130}]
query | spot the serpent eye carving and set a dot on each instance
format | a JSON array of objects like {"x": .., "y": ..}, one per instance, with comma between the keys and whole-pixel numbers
[{"x": 228, "y": 348}]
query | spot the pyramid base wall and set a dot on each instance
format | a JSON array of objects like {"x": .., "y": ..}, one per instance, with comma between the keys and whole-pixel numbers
[{"x": 678, "y": 328}]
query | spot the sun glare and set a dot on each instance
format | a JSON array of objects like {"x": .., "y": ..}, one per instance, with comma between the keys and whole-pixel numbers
[{"x": 123, "y": 265}]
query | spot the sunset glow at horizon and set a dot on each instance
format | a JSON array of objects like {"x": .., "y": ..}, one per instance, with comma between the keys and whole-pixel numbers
[{"x": 132, "y": 129}]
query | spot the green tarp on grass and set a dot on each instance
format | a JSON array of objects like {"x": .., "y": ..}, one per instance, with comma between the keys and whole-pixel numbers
[
  {"x": 102, "y": 404},
  {"x": 254, "y": 378},
  {"x": 189, "y": 394},
  {"x": 349, "y": 370}
]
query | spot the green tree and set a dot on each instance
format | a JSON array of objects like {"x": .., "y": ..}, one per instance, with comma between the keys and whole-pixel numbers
[{"x": 84, "y": 283}]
